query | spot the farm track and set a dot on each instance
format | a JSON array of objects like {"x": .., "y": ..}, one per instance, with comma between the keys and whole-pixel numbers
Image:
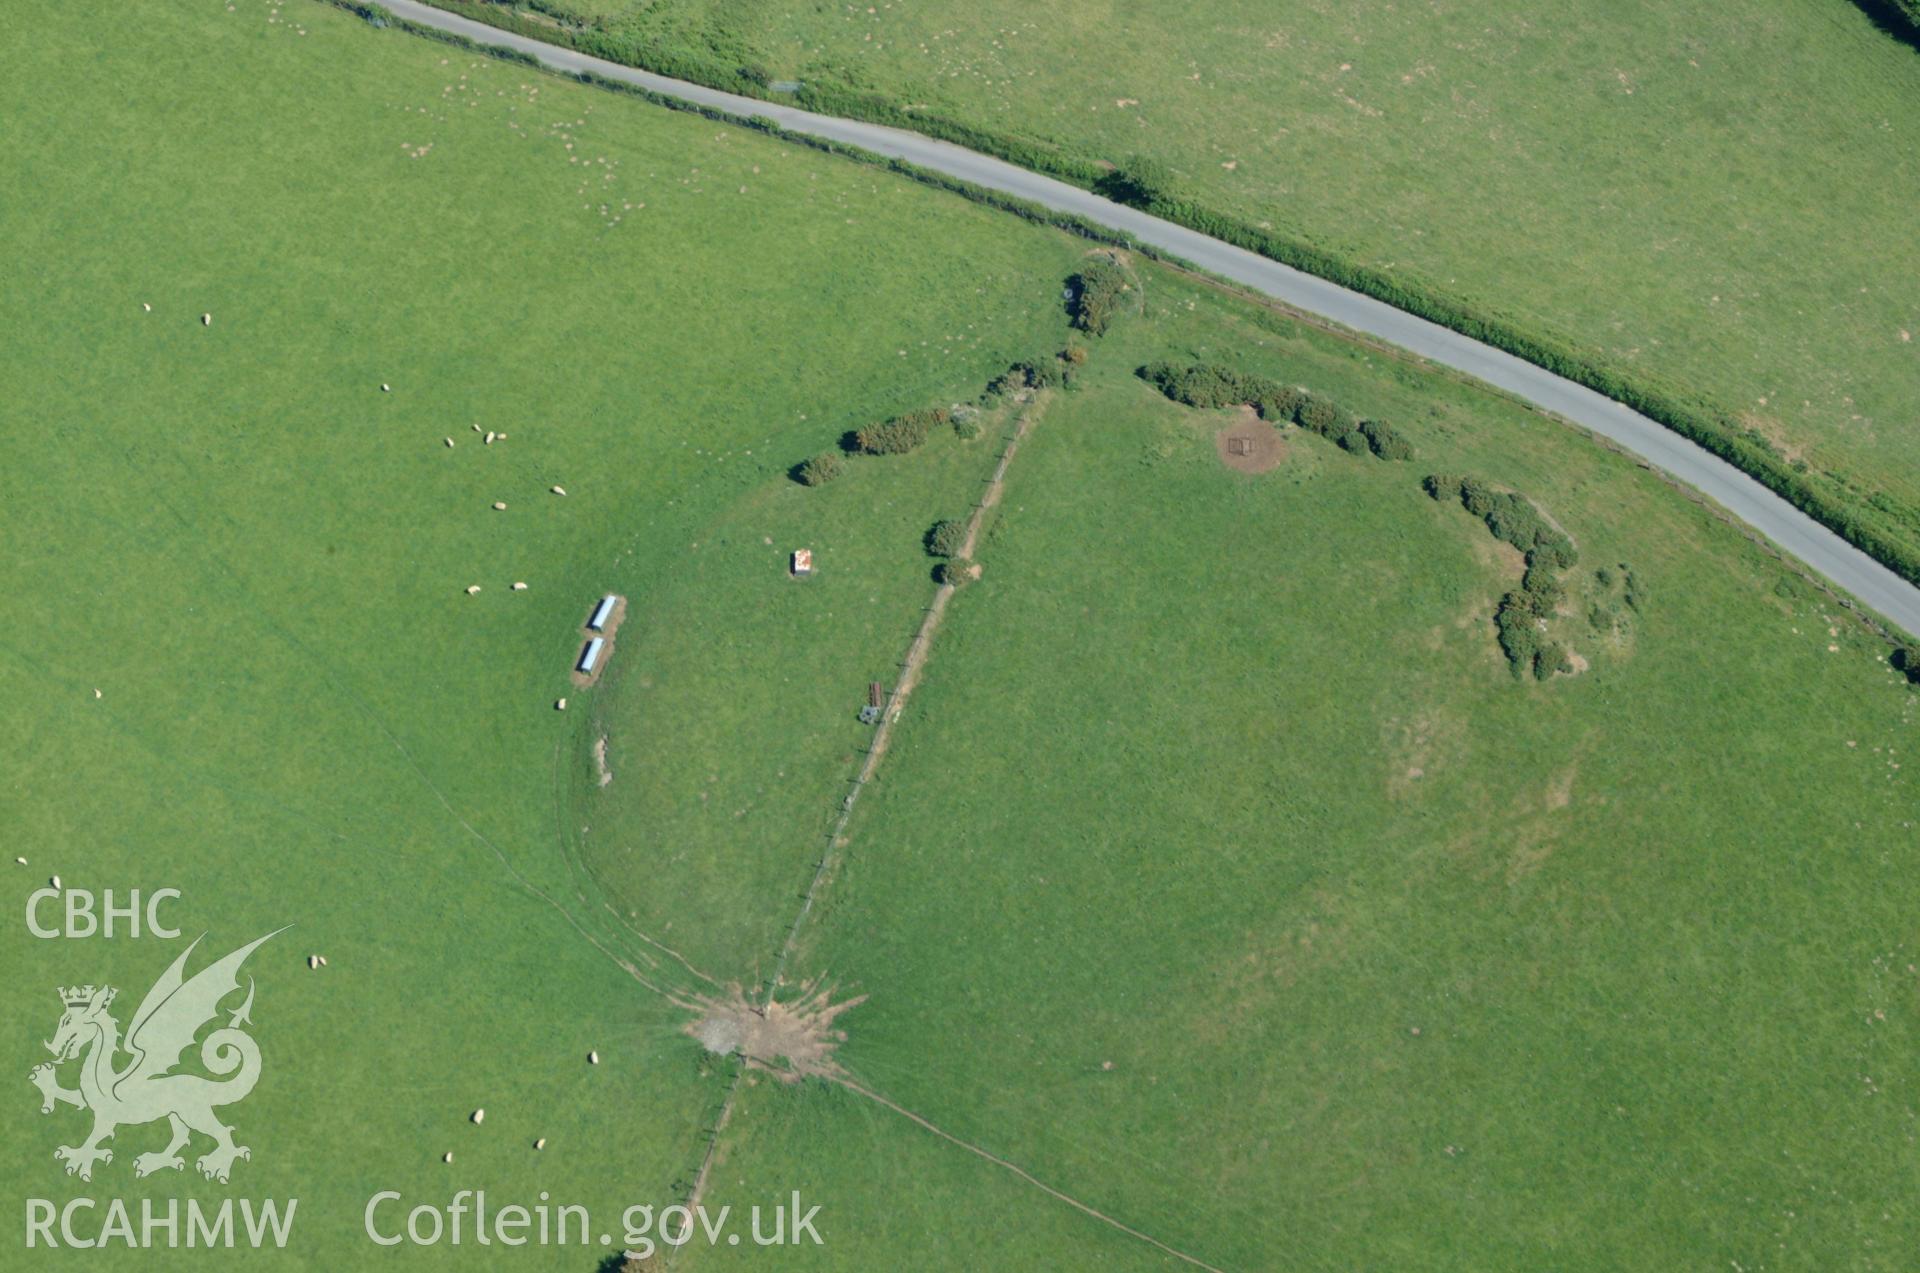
[{"x": 1786, "y": 527}]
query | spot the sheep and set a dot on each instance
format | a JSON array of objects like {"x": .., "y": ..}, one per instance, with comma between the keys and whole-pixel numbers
[
  {"x": 491, "y": 435},
  {"x": 499, "y": 506},
  {"x": 559, "y": 490},
  {"x": 449, "y": 443},
  {"x": 206, "y": 320},
  {"x": 322, "y": 959},
  {"x": 472, "y": 588},
  {"x": 386, "y": 388},
  {"x": 476, "y": 428},
  {"x": 478, "y": 1116},
  {"x": 447, "y": 1157},
  {"x": 21, "y": 861},
  {"x": 519, "y": 585},
  {"x": 593, "y": 1058},
  {"x": 560, "y": 706},
  {"x": 96, "y": 693},
  {"x": 313, "y": 962},
  {"x": 541, "y": 1143},
  {"x": 148, "y": 308},
  {"x": 55, "y": 881}
]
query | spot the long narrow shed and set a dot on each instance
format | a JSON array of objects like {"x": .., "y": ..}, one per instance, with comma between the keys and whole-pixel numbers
[
  {"x": 590, "y": 656},
  {"x": 602, "y": 612}
]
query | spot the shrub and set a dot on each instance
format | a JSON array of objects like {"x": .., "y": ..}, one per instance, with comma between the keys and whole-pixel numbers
[
  {"x": 1385, "y": 440},
  {"x": 1518, "y": 627},
  {"x": 1044, "y": 374},
  {"x": 1095, "y": 294},
  {"x": 1550, "y": 658},
  {"x": 955, "y": 571},
  {"x": 944, "y": 538},
  {"x": 1906, "y": 661},
  {"x": 1317, "y": 414},
  {"x": 1074, "y": 355},
  {"x": 819, "y": 470},
  {"x": 1353, "y": 441},
  {"x": 1204, "y": 384},
  {"x": 966, "y": 421},
  {"x": 901, "y": 434},
  {"x": 1543, "y": 588},
  {"x": 1445, "y": 487},
  {"x": 1556, "y": 552},
  {"x": 1280, "y": 403}
]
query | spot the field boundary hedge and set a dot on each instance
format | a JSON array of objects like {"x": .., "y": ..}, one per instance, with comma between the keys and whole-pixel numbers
[{"x": 1872, "y": 522}]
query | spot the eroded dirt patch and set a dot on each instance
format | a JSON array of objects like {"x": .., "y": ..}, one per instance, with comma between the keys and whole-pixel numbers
[
  {"x": 1250, "y": 444},
  {"x": 791, "y": 1041}
]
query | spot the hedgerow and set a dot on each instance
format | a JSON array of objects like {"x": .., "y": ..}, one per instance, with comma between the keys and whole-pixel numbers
[{"x": 1203, "y": 384}]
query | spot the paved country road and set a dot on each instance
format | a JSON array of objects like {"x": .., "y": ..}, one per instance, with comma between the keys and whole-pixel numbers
[{"x": 1851, "y": 570}]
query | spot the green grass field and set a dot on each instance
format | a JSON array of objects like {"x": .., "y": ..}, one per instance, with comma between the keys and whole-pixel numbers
[
  {"x": 259, "y": 558},
  {"x": 1712, "y": 201},
  {"x": 1217, "y": 788},
  {"x": 1219, "y": 781}
]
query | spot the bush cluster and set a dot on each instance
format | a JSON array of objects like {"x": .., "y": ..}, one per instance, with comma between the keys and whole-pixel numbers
[
  {"x": 819, "y": 470},
  {"x": 1204, "y": 384},
  {"x": 1521, "y": 619},
  {"x": 1512, "y": 518},
  {"x": 1096, "y": 294},
  {"x": 901, "y": 434},
  {"x": 1906, "y": 661},
  {"x": 944, "y": 538}
]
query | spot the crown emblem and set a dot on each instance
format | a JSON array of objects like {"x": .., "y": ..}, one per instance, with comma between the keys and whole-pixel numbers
[{"x": 77, "y": 996}]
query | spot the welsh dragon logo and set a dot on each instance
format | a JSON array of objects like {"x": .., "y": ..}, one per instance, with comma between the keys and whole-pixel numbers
[{"x": 145, "y": 1088}]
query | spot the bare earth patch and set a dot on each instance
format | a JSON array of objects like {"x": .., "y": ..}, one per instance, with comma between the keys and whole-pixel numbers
[
  {"x": 791, "y": 1041},
  {"x": 601, "y": 774},
  {"x": 1250, "y": 444}
]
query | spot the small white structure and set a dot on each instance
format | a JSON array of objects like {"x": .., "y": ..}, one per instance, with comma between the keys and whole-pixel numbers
[
  {"x": 590, "y": 657},
  {"x": 802, "y": 562},
  {"x": 597, "y": 622}
]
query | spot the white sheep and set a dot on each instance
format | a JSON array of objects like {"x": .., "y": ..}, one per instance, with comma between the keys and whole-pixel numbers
[
  {"x": 313, "y": 962},
  {"x": 491, "y": 435},
  {"x": 559, "y": 490},
  {"x": 499, "y": 506},
  {"x": 148, "y": 308},
  {"x": 541, "y": 1143},
  {"x": 479, "y": 1116},
  {"x": 593, "y": 1058},
  {"x": 21, "y": 861},
  {"x": 449, "y": 442},
  {"x": 519, "y": 585},
  {"x": 206, "y": 320},
  {"x": 55, "y": 881},
  {"x": 386, "y": 388},
  {"x": 447, "y": 1157},
  {"x": 472, "y": 588},
  {"x": 560, "y": 706}
]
